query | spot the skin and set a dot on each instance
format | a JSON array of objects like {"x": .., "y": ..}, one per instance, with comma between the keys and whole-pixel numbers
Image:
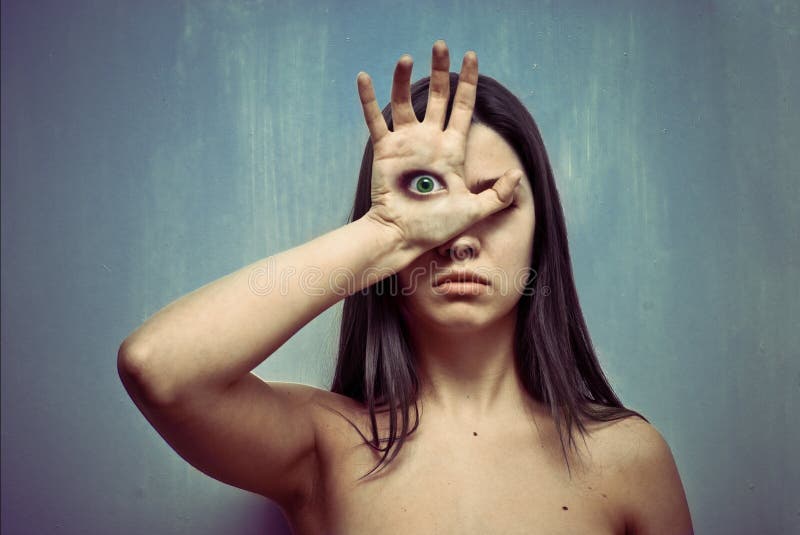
[
  {"x": 463, "y": 342},
  {"x": 485, "y": 459}
]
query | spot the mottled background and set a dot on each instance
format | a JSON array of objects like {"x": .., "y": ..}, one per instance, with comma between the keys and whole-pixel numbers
[{"x": 151, "y": 147}]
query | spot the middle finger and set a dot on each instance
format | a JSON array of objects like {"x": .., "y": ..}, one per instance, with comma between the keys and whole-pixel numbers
[{"x": 439, "y": 89}]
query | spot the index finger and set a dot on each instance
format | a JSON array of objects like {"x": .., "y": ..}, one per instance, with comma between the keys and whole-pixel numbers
[
  {"x": 464, "y": 100},
  {"x": 372, "y": 113}
]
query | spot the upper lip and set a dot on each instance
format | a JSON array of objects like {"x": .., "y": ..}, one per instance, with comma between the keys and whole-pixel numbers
[{"x": 461, "y": 275}]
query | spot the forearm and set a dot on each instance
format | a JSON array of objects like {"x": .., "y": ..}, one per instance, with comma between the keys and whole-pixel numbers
[{"x": 214, "y": 335}]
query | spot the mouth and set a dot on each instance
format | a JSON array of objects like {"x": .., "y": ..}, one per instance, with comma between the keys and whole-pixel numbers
[{"x": 465, "y": 278}]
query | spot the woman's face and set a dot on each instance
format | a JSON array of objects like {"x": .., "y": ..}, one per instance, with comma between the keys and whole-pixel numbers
[{"x": 498, "y": 247}]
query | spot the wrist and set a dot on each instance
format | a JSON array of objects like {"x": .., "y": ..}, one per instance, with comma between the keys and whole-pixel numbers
[{"x": 389, "y": 248}]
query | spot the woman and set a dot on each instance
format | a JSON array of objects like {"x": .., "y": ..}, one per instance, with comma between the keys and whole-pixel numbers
[{"x": 460, "y": 305}]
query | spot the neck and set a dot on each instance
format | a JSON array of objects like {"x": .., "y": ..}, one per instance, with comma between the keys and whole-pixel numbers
[{"x": 468, "y": 376}]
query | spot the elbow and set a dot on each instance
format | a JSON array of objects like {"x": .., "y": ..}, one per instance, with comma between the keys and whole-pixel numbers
[
  {"x": 138, "y": 374},
  {"x": 131, "y": 359}
]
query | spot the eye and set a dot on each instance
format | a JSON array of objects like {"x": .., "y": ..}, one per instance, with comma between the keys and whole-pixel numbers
[{"x": 423, "y": 184}]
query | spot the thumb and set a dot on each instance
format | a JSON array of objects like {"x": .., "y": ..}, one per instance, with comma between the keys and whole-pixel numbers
[{"x": 501, "y": 194}]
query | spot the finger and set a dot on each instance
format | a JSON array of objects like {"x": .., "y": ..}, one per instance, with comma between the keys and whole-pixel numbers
[
  {"x": 372, "y": 113},
  {"x": 402, "y": 111},
  {"x": 501, "y": 194},
  {"x": 464, "y": 100},
  {"x": 439, "y": 89}
]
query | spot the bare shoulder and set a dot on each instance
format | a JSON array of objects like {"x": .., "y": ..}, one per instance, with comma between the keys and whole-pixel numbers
[
  {"x": 328, "y": 410},
  {"x": 323, "y": 404},
  {"x": 630, "y": 440},
  {"x": 640, "y": 462}
]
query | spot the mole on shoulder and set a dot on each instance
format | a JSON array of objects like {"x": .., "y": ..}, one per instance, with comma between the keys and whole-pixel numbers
[
  {"x": 474, "y": 433},
  {"x": 564, "y": 507}
]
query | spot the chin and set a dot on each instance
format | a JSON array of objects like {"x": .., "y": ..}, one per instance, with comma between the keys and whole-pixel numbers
[
  {"x": 457, "y": 317},
  {"x": 461, "y": 323}
]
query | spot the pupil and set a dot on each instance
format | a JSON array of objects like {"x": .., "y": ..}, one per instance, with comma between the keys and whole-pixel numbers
[{"x": 424, "y": 184}]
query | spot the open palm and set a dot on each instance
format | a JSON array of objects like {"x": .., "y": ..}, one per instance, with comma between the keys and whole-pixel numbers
[{"x": 418, "y": 182}]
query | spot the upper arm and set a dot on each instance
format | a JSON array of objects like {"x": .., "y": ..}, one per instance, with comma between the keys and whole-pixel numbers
[
  {"x": 654, "y": 495},
  {"x": 254, "y": 435}
]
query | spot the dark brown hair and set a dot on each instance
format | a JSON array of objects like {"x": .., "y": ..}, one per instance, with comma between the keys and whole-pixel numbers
[{"x": 554, "y": 356}]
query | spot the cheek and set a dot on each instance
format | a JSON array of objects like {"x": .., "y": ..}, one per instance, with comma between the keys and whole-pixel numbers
[
  {"x": 413, "y": 276},
  {"x": 515, "y": 249},
  {"x": 515, "y": 234}
]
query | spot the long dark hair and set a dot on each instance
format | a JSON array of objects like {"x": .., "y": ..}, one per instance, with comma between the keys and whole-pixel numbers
[{"x": 554, "y": 356}]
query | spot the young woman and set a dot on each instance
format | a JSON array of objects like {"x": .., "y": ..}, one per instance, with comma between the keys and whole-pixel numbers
[{"x": 467, "y": 396}]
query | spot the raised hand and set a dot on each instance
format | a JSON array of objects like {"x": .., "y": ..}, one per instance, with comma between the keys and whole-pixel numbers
[{"x": 418, "y": 178}]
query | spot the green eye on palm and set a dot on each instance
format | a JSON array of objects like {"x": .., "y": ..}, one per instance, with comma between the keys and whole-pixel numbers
[{"x": 423, "y": 184}]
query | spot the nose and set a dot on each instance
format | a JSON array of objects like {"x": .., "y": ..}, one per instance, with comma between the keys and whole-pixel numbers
[{"x": 461, "y": 248}]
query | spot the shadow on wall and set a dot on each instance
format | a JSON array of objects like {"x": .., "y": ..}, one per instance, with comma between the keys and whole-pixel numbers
[{"x": 274, "y": 521}]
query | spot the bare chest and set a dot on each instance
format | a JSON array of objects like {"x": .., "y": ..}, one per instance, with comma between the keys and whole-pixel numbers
[{"x": 459, "y": 483}]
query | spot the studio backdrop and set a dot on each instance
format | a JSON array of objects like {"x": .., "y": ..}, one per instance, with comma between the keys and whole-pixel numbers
[{"x": 149, "y": 148}]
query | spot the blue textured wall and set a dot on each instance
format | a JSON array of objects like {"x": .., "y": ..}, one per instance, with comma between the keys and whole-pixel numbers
[{"x": 151, "y": 147}]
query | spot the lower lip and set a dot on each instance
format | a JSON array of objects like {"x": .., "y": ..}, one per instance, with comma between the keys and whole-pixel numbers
[{"x": 463, "y": 288}]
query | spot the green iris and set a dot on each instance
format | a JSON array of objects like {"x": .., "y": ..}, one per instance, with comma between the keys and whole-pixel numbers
[{"x": 425, "y": 184}]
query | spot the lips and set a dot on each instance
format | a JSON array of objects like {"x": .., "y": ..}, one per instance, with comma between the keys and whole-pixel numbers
[{"x": 464, "y": 275}]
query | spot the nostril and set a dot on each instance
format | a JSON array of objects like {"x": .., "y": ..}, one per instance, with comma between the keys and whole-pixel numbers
[
  {"x": 461, "y": 253},
  {"x": 463, "y": 247}
]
